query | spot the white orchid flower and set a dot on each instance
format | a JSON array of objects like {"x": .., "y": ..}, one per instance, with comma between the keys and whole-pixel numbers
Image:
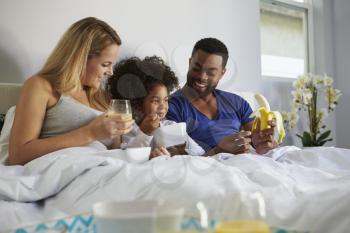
[
  {"x": 307, "y": 93},
  {"x": 318, "y": 81},
  {"x": 307, "y": 96},
  {"x": 328, "y": 80}
]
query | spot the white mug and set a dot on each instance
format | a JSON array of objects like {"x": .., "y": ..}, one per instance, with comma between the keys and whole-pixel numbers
[{"x": 137, "y": 217}]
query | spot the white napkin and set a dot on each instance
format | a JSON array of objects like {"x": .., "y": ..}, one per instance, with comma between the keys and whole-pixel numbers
[{"x": 170, "y": 135}]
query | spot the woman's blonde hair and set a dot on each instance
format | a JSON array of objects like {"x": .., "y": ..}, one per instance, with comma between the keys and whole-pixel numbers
[{"x": 67, "y": 62}]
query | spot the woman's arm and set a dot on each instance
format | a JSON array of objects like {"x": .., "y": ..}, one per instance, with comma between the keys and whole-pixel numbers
[{"x": 35, "y": 98}]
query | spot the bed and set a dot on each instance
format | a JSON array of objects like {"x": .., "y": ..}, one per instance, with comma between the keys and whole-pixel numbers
[{"x": 305, "y": 190}]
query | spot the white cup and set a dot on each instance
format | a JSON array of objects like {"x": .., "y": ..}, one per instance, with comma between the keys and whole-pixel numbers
[
  {"x": 137, "y": 154},
  {"x": 137, "y": 217},
  {"x": 170, "y": 135}
]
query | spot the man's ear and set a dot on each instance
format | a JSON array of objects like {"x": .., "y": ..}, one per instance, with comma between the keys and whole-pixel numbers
[{"x": 222, "y": 73}]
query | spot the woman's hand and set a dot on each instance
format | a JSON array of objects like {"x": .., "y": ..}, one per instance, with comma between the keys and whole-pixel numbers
[
  {"x": 150, "y": 123},
  {"x": 104, "y": 127},
  {"x": 264, "y": 141},
  {"x": 159, "y": 152}
]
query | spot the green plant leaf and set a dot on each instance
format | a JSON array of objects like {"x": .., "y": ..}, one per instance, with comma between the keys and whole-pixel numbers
[
  {"x": 323, "y": 136},
  {"x": 306, "y": 139},
  {"x": 299, "y": 136},
  {"x": 321, "y": 143}
]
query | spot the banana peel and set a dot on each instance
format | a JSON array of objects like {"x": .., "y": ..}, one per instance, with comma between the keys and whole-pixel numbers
[{"x": 265, "y": 115}]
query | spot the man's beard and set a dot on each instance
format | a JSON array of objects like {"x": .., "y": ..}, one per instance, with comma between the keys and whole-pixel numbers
[{"x": 194, "y": 93}]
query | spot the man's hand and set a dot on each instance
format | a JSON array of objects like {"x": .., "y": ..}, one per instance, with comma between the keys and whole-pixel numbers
[
  {"x": 264, "y": 140},
  {"x": 150, "y": 123},
  {"x": 235, "y": 143}
]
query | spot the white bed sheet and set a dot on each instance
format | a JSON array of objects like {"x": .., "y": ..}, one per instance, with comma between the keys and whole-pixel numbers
[{"x": 305, "y": 190}]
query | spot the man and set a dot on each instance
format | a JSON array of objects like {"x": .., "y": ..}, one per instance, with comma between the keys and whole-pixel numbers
[{"x": 217, "y": 120}]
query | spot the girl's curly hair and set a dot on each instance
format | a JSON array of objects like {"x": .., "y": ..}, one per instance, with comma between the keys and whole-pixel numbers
[{"x": 134, "y": 78}]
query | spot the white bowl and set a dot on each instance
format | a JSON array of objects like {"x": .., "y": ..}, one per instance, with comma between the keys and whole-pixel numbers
[
  {"x": 170, "y": 135},
  {"x": 137, "y": 154},
  {"x": 136, "y": 217}
]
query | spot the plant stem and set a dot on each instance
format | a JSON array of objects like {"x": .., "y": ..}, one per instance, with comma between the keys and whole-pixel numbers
[{"x": 313, "y": 116}]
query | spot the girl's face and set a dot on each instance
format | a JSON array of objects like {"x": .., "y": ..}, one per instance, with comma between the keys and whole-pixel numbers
[
  {"x": 156, "y": 102},
  {"x": 100, "y": 66}
]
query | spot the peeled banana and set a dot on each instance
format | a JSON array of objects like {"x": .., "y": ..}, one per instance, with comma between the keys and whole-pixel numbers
[{"x": 265, "y": 115}]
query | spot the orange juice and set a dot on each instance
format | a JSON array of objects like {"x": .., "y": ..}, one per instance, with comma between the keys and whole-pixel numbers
[
  {"x": 242, "y": 226},
  {"x": 125, "y": 117}
]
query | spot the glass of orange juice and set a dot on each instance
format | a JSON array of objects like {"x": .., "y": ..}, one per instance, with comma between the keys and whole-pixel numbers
[
  {"x": 243, "y": 212},
  {"x": 120, "y": 107}
]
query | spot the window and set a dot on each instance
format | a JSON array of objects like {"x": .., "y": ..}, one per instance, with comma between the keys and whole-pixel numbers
[{"x": 285, "y": 30}]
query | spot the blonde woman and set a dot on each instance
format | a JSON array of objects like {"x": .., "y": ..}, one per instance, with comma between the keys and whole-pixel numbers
[{"x": 63, "y": 104}]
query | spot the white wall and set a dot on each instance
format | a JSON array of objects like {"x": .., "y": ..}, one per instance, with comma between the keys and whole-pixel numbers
[
  {"x": 30, "y": 29},
  {"x": 332, "y": 55},
  {"x": 341, "y": 31},
  {"x": 324, "y": 51}
]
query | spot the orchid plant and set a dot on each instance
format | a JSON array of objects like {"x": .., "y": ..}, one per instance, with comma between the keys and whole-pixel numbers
[{"x": 307, "y": 91}]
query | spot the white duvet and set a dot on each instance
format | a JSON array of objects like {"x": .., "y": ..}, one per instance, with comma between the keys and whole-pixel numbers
[{"x": 304, "y": 190}]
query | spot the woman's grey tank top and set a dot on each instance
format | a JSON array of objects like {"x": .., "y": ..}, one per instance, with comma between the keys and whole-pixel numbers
[{"x": 68, "y": 114}]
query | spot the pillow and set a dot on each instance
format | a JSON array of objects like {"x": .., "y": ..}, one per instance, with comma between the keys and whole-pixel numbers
[
  {"x": 5, "y": 134},
  {"x": 249, "y": 97}
]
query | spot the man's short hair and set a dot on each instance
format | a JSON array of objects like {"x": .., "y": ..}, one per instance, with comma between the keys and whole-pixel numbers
[{"x": 214, "y": 46}]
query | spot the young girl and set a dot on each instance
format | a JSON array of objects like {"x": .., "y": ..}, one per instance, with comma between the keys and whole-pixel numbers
[{"x": 147, "y": 84}]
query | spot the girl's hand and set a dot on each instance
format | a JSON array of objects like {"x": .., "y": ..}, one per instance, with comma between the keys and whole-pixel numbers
[
  {"x": 159, "y": 152},
  {"x": 104, "y": 127},
  {"x": 150, "y": 123}
]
